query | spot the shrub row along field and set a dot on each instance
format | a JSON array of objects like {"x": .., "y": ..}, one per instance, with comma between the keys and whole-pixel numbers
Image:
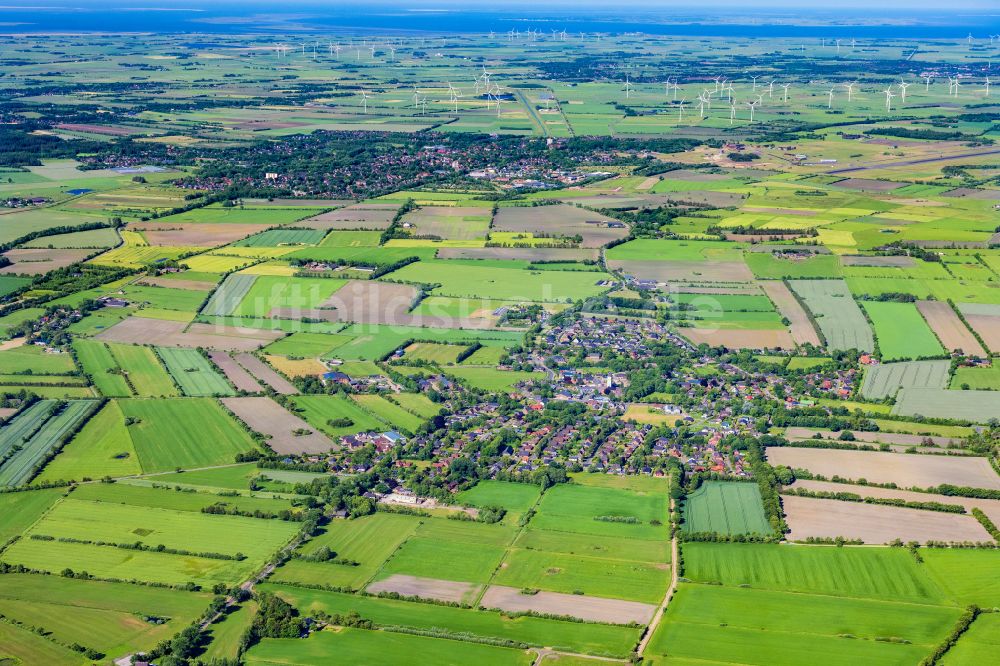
[
  {"x": 193, "y": 372},
  {"x": 34, "y": 433}
]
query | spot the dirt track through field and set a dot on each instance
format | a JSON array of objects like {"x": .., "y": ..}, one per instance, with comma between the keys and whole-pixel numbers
[{"x": 875, "y": 524}]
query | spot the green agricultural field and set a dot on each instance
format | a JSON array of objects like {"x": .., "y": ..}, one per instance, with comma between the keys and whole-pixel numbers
[
  {"x": 901, "y": 331},
  {"x": 515, "y": 497},
  {"x": 769, "y": 267},
  {"x": 23, "y": 646},
  {"x": 373, "y": 341},
  {"x": 125, "y": 492},
  {"x": 432, "y": 352},
  {"x": 726, "y": 508},
  {"x": 306, "y": 345},
  {"x": 416, "y": 403},
  {"x": 103, "y": 447},
  {"x": 189, "y": 432},
  {"x": 119, "y": 563},
  {"x": 389, "y": 412},
  {"x": 974, "y": 406},
  {"x": 769, "y": 627},
  {"x": 281, "y": 237},
  {"x": 21, "y": 510},
  {"x": 88, "y": 520},
  {"x": 869, "y": 573},
  {"x": 193, "y": 372},
  {"x": 379, "y": 648},
  {"x": 451, "y": 550},
  {"x": 228, "y": 295},
  {"x": 368, "y": 541},
  {"x": 886, "y": 379},
  {"x": 36, "y": 432},
  {"x": 10, "y": 284},
  {"x": 144, "y": 371},
  {"x": 981, "y": 379},
  {"x": 99, "y": 615},
  {"x": 571, "y": 508},
  {"x": 36, "y": 360},
  {"x": 580, "y": 574},
  {"x": 490, "y": 379},
  {"x": 617, "y": 548},
  {"x": 466, "y": 281},
  {"x": 965, "y": 576},
  {"x": 319, "y": 410},
  {"x": 840, "y": 320},
  {"x": 588, "y": 638},
  {"x": 979, "y": 645},
  {"x": 269, "y": 292},
  {"x": 101, "y": 367},
  {"x": 225, "y": 635},
  {"x": 646, "y": 249}
]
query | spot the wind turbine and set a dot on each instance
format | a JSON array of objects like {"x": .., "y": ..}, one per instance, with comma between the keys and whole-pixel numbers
[
  {"x": 838, "y": 47},
  {"x": 888, "y": 99},
  {"x": 903, "y": 85},
  {"x": 701, "y": 105},
  {"x": 987, "y": 86},
  {"x": 752, "y": 106},
  {"x": 829, "y": 102},
  {"x": 628, "y": 87},
  {"x": 786, "y": 86},
  {"x": 850, "y": 90},
  {"x": 364, "y": 100},
  {"x": 927, "y": 82},
  {"x": 754, "y": 78},
  {"x": 675, "y": 88},
  {"x": 680, "y": 109},
  {"x": 770, "y": 89},
  {"x": 732, "y": 112}
]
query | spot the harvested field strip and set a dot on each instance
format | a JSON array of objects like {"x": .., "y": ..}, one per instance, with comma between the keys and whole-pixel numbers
[
  {"x": 240, "y": 378},
  {"x": 426, "y": 588},
  {"x": 193, "y": 373},
  {"x": 229, "y": 294},
  {"x": 586, "y": 638},
  {"x": 53, "y": 425},
  {"x": 876, "y": 524},
  {"x": 949, "y": 328},
  {"x": 906, "y": 470},
  {"x": 143, "y": 370},
  {"x": 265, "y": 373},
  {"x": 590, "y": 609},
  {"x": 101, "y": 367},
  {"x": 886, "y": 379},
  {"x": 286, "y": 433},
  {"x": 800, "y": 327},
  {"x": 990, "y": 507},
  {"x": 726, "y": 508},
  {"x": 839, "y": 318}
]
